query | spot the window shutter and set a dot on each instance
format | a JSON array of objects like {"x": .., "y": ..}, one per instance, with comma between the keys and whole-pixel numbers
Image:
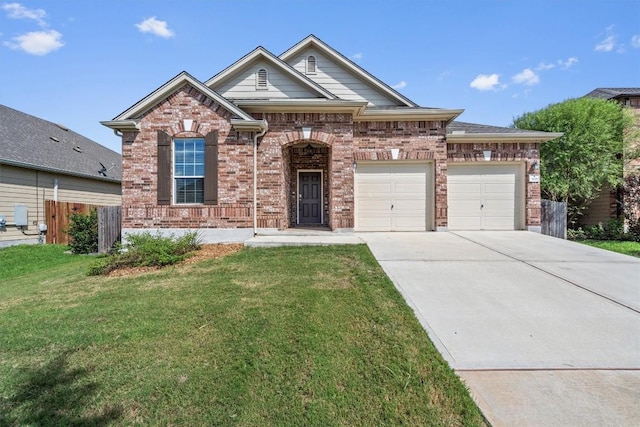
[
  {"x": 164, "y": 168},
  {"x": 211, "y": 168}
]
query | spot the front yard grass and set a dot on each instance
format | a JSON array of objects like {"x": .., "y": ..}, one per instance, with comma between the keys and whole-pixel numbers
[
  {"x": 313, "y": 336},
  {"x": 623, "y": 247}
]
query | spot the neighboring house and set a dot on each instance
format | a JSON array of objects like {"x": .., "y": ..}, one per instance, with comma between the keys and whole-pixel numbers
[
  {"x": 309, "y": 138},
  {"x": 41, "y": 161},
  {"x": 607, "y": 205}
]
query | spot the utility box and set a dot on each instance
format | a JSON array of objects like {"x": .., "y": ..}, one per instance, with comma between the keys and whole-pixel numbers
[{"x": 21, "y": 215}]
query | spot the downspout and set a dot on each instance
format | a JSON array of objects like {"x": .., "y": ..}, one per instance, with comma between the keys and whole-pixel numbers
[{"x": 255, "y": 178}]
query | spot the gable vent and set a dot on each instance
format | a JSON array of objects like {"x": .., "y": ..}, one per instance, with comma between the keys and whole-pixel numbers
[
  {"x": 261, "y": 79},
  {"x": 311, "y": 64}
]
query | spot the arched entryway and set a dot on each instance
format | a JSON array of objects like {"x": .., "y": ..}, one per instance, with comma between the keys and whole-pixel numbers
[{"x": 307, "y": 176}]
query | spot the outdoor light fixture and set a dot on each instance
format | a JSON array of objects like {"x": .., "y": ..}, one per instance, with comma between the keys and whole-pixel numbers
[
  {"x": 355, "y": 165},
  {"x": 308, "y": 150},
  {"x": 306, "y": 133},
  {"x": 487, "y": 155},
  {"x": 536, "y": 166}
]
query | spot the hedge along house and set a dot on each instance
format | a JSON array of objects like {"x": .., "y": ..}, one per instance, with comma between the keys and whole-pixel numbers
[{"x": 309, "y": 138}]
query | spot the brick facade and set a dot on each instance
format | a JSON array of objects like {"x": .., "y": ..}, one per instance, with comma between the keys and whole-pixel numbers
[{"x": 336, "y": 141}]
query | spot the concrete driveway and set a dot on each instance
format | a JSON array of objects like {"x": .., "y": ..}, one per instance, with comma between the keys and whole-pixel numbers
[{"x": 543, "y": 331}]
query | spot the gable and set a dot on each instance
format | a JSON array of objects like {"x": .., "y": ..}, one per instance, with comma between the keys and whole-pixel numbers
[
  {"x": 280, "y": 85},
  {"x": 338, "y": 74},
  {"x": 340, "y": 81}
]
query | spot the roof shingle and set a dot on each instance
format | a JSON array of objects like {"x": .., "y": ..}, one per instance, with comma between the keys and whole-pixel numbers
[{"x": 29, "y": 141}]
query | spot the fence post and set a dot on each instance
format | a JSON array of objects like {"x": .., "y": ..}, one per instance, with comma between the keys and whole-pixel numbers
[
  {"x": 554, "y": 218},
  {"x": 109, "y": 227}
]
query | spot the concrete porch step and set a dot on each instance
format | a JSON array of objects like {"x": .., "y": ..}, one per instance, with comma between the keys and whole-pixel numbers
[{"x": 325, "y": 239}]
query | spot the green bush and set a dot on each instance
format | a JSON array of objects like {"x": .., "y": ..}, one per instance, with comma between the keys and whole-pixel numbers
[
  {"x": 83, "y": 231},
  {"x": 147, "y": 250},
  {"x": 614, "y": 230}
]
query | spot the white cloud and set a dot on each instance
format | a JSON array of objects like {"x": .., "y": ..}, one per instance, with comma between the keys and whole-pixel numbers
[
  {"x": 37, "y": 42},
  {"x": 568, "y": 63},
  {"x": 542, "y": 66},
  {"x": 526, "y": 77},
  {"x": 486, "y": 82},
  {"x": 155, "y": 27},
  {"x": 18, "y": 11},
  {"x": 608, "y": 43},
  {"x": 400, "y": 85},
  {"x": 356, "y": 56},
  {"x": 635, "y": 41}
]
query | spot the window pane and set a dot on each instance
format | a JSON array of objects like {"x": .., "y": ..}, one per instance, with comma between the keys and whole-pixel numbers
[
  {"x": 189, "y": 190},
  {"x": 189, "y": 162}
]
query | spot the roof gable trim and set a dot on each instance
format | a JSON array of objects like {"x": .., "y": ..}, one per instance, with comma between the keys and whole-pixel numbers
[{"x": 263, "y": 53}]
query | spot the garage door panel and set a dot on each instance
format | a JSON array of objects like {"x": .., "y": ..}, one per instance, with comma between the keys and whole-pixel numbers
[
  {"x": 381, "y": 186},
  {"x": 483, "y": 197}
]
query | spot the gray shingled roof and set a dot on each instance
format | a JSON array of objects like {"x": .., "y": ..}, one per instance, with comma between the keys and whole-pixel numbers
[
  {"x": 31, "y": 142},
  {"x": 471, "y": 128},
  {"x": 613, "y": 92}
]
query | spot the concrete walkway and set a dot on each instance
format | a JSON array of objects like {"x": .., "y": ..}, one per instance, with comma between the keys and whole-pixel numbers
[
  {"x": 303, "y": 237},
  {"x": 544, "y": 332}
]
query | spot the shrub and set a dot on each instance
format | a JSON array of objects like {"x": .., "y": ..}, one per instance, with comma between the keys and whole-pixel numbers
[
  {"x": 148, "y": 250},
  {"x": 83, "y": 230}
]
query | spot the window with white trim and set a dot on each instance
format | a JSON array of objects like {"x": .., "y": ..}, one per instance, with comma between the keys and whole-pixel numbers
[
  {"x": 188, "y": 170},
  {"x": 311, "y": 64},
  {"x": 261, "y": 79}
]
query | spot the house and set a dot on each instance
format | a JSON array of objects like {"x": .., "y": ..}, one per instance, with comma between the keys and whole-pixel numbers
[
  {"x": 309, "y": 138},
  {"x": 42, "y": 161},
  {"x": 607, "y": 205}
]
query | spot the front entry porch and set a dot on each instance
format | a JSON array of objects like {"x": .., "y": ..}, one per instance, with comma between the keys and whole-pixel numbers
[{"x": 308, "y": 185}]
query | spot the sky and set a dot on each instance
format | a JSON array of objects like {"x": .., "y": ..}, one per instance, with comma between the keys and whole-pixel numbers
[{"x": 79, "y": 62}]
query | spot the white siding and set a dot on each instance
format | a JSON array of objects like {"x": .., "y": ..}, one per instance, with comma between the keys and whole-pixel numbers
[
  {"x": 339, "y": 81},
  {"x": 21, "y": 186},
  {"x": 280, "y": 85}
]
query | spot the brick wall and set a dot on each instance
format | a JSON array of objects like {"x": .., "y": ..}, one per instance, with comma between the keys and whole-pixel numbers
[{"x": 139, "y": 157}]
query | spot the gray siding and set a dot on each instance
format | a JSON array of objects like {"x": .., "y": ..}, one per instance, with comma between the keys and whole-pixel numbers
[
  {"x": 280, "y": 85},
  {"x": 339, "y": 81}
]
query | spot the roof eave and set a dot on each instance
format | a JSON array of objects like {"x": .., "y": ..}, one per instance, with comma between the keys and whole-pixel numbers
[
  {"x": 250, "y": 125},
  {"x": 421, "y": 114},
  {"x": 503, "y": 137},
  {"x": 293, "y": 105},
  {"x": 122, "y": 125},
  {"x": 59, "y": 171}
]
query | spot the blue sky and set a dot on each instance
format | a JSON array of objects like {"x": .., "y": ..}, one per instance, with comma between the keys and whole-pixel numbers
[{"x": 79, "y": 62}]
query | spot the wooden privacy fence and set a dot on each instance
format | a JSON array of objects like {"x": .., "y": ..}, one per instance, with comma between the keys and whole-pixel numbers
[
  {"x": 554, "y": 218},
  {"x": 109, "y": 227},
  {"x": 58, "y": 214}
]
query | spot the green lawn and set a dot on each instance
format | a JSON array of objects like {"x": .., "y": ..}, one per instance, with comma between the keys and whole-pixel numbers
[
  {"x": 623, "y": 247},
  {"x": 313, "y": 336}
]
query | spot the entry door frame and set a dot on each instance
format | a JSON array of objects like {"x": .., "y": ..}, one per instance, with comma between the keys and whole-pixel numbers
[{"x": 298, "y": 194}]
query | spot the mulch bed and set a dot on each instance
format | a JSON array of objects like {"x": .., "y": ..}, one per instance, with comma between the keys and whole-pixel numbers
[{"x": 205, "y": 252}]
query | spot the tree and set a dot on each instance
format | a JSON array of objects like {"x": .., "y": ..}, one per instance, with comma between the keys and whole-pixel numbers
[{"x": 575, "y": 167}]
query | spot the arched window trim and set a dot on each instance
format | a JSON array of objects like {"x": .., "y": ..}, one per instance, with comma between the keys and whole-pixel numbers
[
  {"x": 262, "y": 79},
  {"x": 312, "y": 63}
]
